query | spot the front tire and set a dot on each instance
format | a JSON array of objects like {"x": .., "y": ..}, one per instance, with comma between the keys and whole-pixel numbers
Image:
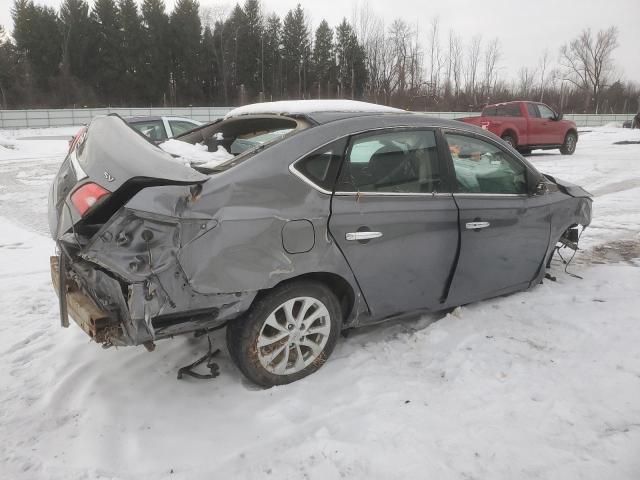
[
  {"x": 569, "y": 145},
  {"x": 287, "y": 334}
]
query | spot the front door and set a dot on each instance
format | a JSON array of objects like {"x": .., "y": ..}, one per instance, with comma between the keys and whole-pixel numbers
[
  {"x": 395, "y": 220},
  {"x": 536, "y": 125},
  {"x": 504, "y": 231}
]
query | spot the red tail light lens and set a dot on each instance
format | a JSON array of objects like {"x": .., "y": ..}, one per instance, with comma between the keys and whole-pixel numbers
[
  {"x": 77, "y": 139},
  {"x": 87, "y": 196}
]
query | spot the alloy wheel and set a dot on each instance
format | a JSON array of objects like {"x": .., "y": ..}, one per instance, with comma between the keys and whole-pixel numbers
[{"x": 293, "y": 336}]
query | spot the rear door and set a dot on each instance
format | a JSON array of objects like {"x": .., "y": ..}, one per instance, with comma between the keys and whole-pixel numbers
[
  {"x": 395, "y": 219},
  {"x": 504, "y": 230}
]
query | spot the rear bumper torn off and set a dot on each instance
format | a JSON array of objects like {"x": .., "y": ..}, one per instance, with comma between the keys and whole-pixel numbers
[{"x": 96, "y": 322}]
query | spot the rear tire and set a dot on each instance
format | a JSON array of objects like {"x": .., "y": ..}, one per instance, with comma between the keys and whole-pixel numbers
[
  {"x": 569, "y": 145},
  {"x": 287, "y": 334},
  {"x": 510, "y": 139}
]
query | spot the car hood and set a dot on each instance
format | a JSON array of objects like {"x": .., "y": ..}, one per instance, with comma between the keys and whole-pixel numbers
[{"x": 570, "y": 188}]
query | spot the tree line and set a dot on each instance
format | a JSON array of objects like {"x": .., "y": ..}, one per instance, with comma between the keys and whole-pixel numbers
[{"x": 119, "y": 54}]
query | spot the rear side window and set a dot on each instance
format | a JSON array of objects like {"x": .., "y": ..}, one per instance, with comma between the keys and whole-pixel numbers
[
  {"x": 509, "y": 110},
  {"x": 179, "y": 127},
  {"x": 490, "y": 112},
  {"x": 533, "y": 110},
  {"x": 321, "y": 167},
  {"x": 153, "y": 129},
  {"x": 394, "y": 162}
]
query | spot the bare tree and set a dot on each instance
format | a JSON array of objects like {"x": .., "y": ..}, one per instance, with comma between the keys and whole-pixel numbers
[
  {"x": 491, "y": 58},
  {"x": 455, "y": 62},
  {"x": 435, "y": 56},
  {"x": 543, "y": 65},
  {"x": 471, "y": 67},
  {"x": 400, "y": 38},
  {"x": 588, "y": 63},
  {"x": 526, "y": 81}
]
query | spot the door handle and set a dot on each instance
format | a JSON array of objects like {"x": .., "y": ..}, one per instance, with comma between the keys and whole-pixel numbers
[
  {"x": 362, "y": 235},
  {"x": 476, "y": 225}
]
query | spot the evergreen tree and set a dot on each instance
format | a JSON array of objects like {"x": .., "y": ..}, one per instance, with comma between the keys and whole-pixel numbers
[
  {"x": 295, "y": 52},
  {"x": 106, "y": 60},
  {"x": 351, "y": 69},
  {"x": 323, "y": 58},
  {"x": 234, "y": 50},
  {"x": 131, "y": 51},
  {"x": 185, "y": 37},
  {"x": 272, "y": 50},
  {"x": 222, "y": 59},
  {"x": 253, "y": 47},
  {"x": 154, "y": 74},
  {"x": 38, "y": 40},
  {"x": 209, "y": 73},
  {"x": 8, "y": 73},
  {"x": 76, "y": 30}
]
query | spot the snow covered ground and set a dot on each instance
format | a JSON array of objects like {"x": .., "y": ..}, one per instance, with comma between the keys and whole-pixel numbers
[{"x": 542, "y": 384}]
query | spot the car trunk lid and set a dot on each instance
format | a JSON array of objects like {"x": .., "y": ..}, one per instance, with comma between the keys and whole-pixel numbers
[{"x": 109, "y": 156}]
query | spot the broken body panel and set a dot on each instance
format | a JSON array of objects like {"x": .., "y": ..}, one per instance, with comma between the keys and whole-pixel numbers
[{"x": 171, "y": 250}]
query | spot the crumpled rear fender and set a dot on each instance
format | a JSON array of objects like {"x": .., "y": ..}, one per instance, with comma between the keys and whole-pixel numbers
[{"x": 177, "y": 253}]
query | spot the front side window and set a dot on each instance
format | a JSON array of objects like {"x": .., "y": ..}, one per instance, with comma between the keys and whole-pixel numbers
[
  {"x": 482, "y": 167},
  {"x": 392, "y": 162},
  {"x": 546, "y": 112},
  {"x": 533, "y": 110}
]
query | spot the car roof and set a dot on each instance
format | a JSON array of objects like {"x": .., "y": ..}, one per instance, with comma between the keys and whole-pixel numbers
[
  {"x": 307, "y": 107},
  {"x": 147, "y": 118},
  {"x": 155, "y": 118}
]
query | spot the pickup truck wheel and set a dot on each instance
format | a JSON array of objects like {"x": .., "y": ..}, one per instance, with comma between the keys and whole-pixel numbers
[
  {"x": 287, "y": 334},
  {"x": 569, "y": 145},
  {"x": 507, "y": 137}
]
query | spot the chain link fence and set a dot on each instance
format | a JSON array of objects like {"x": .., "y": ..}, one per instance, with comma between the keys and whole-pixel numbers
[{"x": 45, "y": 118}]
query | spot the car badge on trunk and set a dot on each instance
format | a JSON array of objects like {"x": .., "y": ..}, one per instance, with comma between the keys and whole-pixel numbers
[{"x": 108, "y": 176}]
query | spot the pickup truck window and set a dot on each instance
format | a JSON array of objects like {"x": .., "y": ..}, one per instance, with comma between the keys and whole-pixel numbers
[
  {"x": 510, "y": 110},
  {"x": 533, "y": 110},
  {"x": 482, "y": 167},
  {"x": 546, "y": 112}
]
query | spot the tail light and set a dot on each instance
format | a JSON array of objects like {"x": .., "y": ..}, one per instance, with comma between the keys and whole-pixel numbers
[
  {"x": 73, "y": 142},
  {"x": 87, "y": 196}
]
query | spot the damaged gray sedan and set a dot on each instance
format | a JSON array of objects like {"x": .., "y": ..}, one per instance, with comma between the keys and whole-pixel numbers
[{"x": 339, "y": 220}]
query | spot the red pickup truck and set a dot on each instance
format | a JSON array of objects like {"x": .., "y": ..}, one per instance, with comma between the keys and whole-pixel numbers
[{"x": 527, "y": 126}]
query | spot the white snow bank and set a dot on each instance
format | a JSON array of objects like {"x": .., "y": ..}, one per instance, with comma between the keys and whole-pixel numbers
[
  {"x": 310, "y": 106},
  {"x": 195, "y": 154}
]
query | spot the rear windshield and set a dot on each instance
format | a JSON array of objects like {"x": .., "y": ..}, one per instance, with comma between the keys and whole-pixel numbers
[
  {"x": 229, "y": 141},
  {"x": 509, "y": 110}
]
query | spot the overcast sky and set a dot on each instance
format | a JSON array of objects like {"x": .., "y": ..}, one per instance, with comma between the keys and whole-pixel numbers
[{"x": 524, "y": 27}]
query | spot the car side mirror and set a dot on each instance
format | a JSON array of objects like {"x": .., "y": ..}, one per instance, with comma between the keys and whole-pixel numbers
[
  {"x": 540, "y": 188},
  {"x": 557, "y": 117}
]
